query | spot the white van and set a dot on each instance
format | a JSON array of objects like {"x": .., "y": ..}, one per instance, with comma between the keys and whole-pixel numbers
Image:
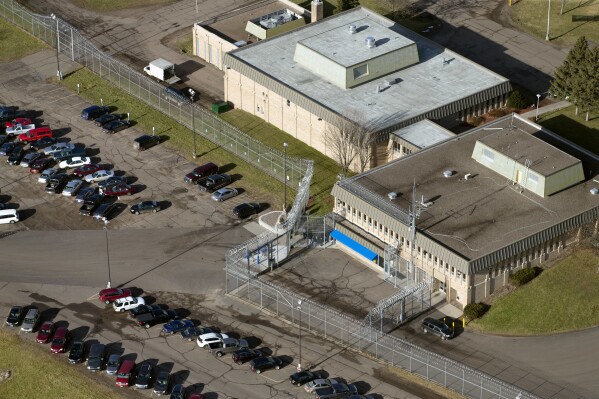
[{"x": 9, "y": 216}]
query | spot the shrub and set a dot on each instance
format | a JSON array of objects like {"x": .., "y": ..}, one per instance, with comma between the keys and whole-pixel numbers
[
  {"x": 516, "y": 100},
  {"x": 475, "y": 310},
  {"x": 497, "y": 112},
  {"x": 523, "y": 276},
  {"x": 475, "y": 120}
]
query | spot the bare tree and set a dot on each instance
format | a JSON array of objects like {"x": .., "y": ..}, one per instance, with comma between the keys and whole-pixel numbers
[
  {"x": 340, "y": 139},
  {"x": 364, "y": 143},
  {"x": 397, "y": 6}
]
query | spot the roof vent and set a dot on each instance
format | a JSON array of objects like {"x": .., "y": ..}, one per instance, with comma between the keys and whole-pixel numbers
[
  {"x": 392, "y": 195},
  {"x": 353, "y": 29},
  {"x": 447, "y": 173},
  {"x": 370, "y": 42},
  {"x": 594, "y": 191}
]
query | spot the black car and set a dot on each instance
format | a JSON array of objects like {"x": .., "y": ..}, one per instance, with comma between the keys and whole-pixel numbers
[
  {"x": 76, "y": 352},
  {"x": 42, "y": 143},
  {"x": 303, "y": 377},
  {"x": 264, "y": 363},
  {"x": 145, "y": 207},
  {"x": 143, "y": 309},
  {"x": 192, "y": 333},
  {"x": 178, "y": 392},
  {"x": 93, "y": 112},
  {"x": 214, "y": 182},
  {"x": 3, "y": 139},
  {"x": 172, "y": 93},
  {"x": 161, "y": 384},
  {"x": 8, "y": 147},
  {"x": 104, "y": 211},
  {"x": 146, "y": 141},
  {"x": 246, "y": 209},
  {"x": 101, "y": 120},
  {"x": 243, "y": 355},
  {"x": 85, "y": 193},
  {"x": 144, "y": 376},
  {"x": 16, "y": 155},
  {"x": 14, "y": 316},
  {"x": 56, "y": 183},
  {"x": 116, "y": 126},
  {"x": 111, "y": 181},
  {"x": 155, "y": 317},
  {"x": 90, "y": 204}
]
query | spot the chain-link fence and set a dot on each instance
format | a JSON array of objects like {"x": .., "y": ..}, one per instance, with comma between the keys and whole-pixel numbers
[
  {"x": 71, "y": 43},
  {"x": 348, "y": 331}
]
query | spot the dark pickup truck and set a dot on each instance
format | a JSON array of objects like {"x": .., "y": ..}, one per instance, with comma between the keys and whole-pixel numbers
[
  {"x": 336, "y": 391},
  {"x": 90, "y": 204},
  {"x": 147, "y": 320},
  {"x": 214, "y": 182}
]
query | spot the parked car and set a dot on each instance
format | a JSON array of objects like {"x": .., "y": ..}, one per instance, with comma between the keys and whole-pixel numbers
[
  {"x": 17, "y": 121},
  {"x": 146, "y": 141},
  {"x": 337, "y": 390},
  {"x": 303, "y": 377},
  {"x": 60, "y": 340},
  {"x": 206, "y": 339},
  {"x": 116, "y": 126},
  {"x": 192, "y": 333},
  {"x": 47, "y": 174},
  {"x": 118, "y": 190},
  {"x": 39, "y": 165},
  {"x": 31, "y": 319},
  {"x": 143, "y": 309},
  {"x": 319, "y": 383},
  {"x": 74, "y": 162},
  {"x": 264, "y": 363},
  {"x": 161, "y": 383},
  {"x": 56, "y": 183},
  {"x": 360, "y": 397},
  {"x": 145, "y": 207},
  {"x": 127, "y": 303},
  {"x": 3, "y": 139},
  {"x": 76, "y": 353},
  {"x": 177, "y": 392},
  {"x": 72, "y": 187},
  {"x": 109, "y": 295},
  {"x": 113, "y": 363},
  {"x": 85, "y": 193},
  {"x": 105, "y": 211},
  {"x": 123, "y": 376},
  {"x": 14, "y": 158},
  {"x": 214, "y": 182},
  {"x": 36, "y": 134},
  {"x": 95, "y": 360},
  {"x": 144, "y": 376},
  {"x": 246, "y": 209},
  {"x": 94, "y": 111},
  {"x": 29, "y": 159},
  {"x": 229, "y": 345},
  {"x": 42, "y": 143},
  {"x": 19, "y": 129},
  {"x": 175, "y": 326},
  {"x": 99, "y": 176},
  {"x": 437, "y": 327},
  {"x": 106, "y": 118},
  {"x": 90, "y": 204},
  {"x": 223, "y": 194},
  {"x": 147, "y": 320},
  {"x": 45, "y": 332},
  {"x": 86, "y": 169},
  {"x": 8, "y": 147},
  {"x": 14, "y": 316},
  {"x": 243, "y": 355},
  {"x": 111, "y": 181},
  {"x": 58, "y": 147},
  {"x": 195, "y": 395},
  {"x": 200, "y": 173},
  {"x": 74, "y": 152}
]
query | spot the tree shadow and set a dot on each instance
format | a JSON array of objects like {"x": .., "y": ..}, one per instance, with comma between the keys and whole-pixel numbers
[{"x": 253, "y": 342}]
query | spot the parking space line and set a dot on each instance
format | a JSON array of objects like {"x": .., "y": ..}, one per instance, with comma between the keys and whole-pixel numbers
[{"x": 95, "y": 296}]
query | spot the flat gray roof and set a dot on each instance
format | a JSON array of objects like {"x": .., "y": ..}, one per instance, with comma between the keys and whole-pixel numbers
[
  {"x": 520, "y": 146},
  {"x": 346, "y": 49},
  {"x": 442, "y": 77},
  {"x": 483, "y": 214},
  {"x": 423, "y": 134}
]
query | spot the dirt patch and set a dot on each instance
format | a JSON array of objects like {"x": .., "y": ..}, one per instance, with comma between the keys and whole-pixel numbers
[
  {"x": 413, "y": 384},
  {"x": 5, "y": 375}
]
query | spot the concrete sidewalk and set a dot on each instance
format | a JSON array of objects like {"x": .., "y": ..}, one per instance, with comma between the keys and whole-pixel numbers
[{"x": 546, "y": 109}]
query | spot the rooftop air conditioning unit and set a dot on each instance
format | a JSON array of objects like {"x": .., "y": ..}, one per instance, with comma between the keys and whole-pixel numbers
[
  {"x": 392, "y": 195},
  {"x": 447, "y": 173},
  {"x": 594, "y": 191},
  {"x": 353, "y": 29}
]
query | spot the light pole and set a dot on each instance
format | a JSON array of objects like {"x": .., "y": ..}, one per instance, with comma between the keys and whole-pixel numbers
[
  {"x": 548, "y": 15},
  {"x": 58, "y": 73},
  {"x": 299, "y": 307},
  {"x": 193, "y": 127},
  {"x": 107, "y": 256},
  {"x": 285, "y": 176},
  {"x": 538, "y": 99}
]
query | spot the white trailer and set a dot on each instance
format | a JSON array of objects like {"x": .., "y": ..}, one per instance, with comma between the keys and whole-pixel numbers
[{"x": 162, "y": 70}]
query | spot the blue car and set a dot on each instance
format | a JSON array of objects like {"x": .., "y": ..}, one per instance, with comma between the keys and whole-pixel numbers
[{"x": 176, "y": 326}]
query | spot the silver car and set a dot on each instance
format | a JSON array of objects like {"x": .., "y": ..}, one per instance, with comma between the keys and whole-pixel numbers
[
  {"x": 31, "y": 320},
  {"x": 99, "y": 176},
  {"x": 114, "y": 361},
  {"x": 312, "y": 386},
  {"x": 72, "y": 187},
  {"x": 224, "y": 194},
  {"x": 47, "y": 174},
  {"x": 29, "y": 158},
  {"x": 58, "y": 147}
]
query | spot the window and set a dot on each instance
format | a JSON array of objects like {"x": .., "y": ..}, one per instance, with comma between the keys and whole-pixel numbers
[
  {"x": 360, "y": 71},
  {"x": 533, "y": 180},
  {"x": 288, "y": 103},
  {"x": 488, "y": 155}
]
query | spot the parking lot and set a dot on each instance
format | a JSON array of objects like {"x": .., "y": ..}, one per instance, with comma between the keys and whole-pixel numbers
[{"x": 156, "y": 174}]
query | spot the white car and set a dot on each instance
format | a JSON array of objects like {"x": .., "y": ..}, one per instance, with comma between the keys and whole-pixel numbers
[
  {"x": 209, "y": 338},
  {"x": 127, "y": 303},
  {"x": 72, "y": 187},
  {"x": 100, "y": 175},
  {"x": 58, "y": 147},
  {"x": 46, "y": 175},
  {"x": 74, "y": 162}
]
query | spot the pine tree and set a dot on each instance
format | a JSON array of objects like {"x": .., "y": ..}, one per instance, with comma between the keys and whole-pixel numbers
[
  {"x": 586, "y": 88},
  {"x": 566, "y": 76}
]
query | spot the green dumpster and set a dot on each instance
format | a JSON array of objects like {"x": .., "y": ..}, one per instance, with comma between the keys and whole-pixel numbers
[{"x": 220, "y": 107}]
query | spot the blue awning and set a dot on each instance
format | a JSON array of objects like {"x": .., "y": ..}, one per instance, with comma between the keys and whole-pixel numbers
[{"x": 353, "y": 245}]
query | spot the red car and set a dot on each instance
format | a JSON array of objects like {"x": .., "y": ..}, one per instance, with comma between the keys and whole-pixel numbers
[
  {"x": 17, "y": 121},
  {"x": 45, "y": 332},
  {"x": 86, "y": 169},
  {"x": 118, "y": 190},
  {"x": 39, "y": 165},
  {"x": 61, "y": 338},
  {"x": 196, "y": 396},
  {"x": 123, "y": 376},
  {"x": 109, "y": 295},
  {"x": 36, "y": 134}
]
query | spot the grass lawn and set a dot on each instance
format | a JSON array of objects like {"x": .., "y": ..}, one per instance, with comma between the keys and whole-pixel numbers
[
  {"x": 574, "y": 128},
  {"x": 531, "y": 16},
  {"x": 38, "y": 374},
  {"x": 16, "y": 43},
  {"x": 563, "y": 298},
  {"x": 259, "y": 185},
  {"x": 111, "y": 5},
  {"x": 185, "y": 44},
  {"x": 325, "y": 169}
]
